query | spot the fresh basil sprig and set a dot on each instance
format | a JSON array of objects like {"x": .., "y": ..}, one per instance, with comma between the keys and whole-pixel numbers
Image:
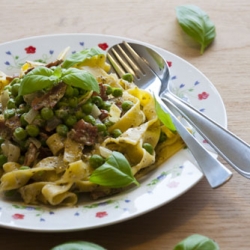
[
  {"x": 197, "y": 24},
  {"x": 115, "y": 172},
  {"x": 197, "y": 242},
  {"x": 81, "y": 56},
  {"x": 164, "y": 117},
  {"x": 42, "y": 77},
  {"x": 78, "y": 245}
]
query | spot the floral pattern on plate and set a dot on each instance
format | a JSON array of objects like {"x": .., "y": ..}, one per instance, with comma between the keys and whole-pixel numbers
[{"x": 159, "y": 187}]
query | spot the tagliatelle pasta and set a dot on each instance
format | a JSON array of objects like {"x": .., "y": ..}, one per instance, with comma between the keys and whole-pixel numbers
[{"x": 84, "y": 131}]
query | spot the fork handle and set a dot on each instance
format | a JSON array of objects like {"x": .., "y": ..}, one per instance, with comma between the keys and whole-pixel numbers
[
  {"x": 216, "y": 173},
  {"x": 234, "y": 150}
]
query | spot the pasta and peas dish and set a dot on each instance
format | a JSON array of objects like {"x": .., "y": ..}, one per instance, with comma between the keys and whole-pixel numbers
[{"x": 70, "y": 127}]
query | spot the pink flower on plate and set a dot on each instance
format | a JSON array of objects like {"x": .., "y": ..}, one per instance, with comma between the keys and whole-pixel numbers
[
  {"x": 101, "y": 214},
  {"x": 173, "y": 184},
  {"x": 103, "y": 46},
  {"x": 18, "y": 216},
  {"x": 30, "y": 50},
  {"x": 203, "y": 95}
]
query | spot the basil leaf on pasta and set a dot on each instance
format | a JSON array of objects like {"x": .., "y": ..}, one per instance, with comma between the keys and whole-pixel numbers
[
  {"x": 80, "y": 79},
  {"x": 114, "y": 173},
  {"x": 81, "y": 56}
]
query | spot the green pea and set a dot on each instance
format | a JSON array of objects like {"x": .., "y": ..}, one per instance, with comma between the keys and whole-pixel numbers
[
  {"x": 61, "y": 113},
  {"x": 126, "y": 105},
  {"x": 163, "y": 137},
  {"x": 39, "y": 121},
  {"x": 69, "y": 91},
  {"x": 148, "y": 147},
  {"x": 3, "y": 160},
  {"x": 19, "y": 100},
  {"x": 76, "y": 92},
  {"x": 20, "y": 133},
  {"x": 32, "y": 130},
  {"x": 14, "y": 89},
  {"x": 70, "y": 120},
  {"x": 47, "y": 113},
  {"x": 106, "y": 105},
  {"x": 96, "y": 161},
  {"x": 101, "y": 127},
  {"x": 11, "y": 104},
  {"x": 117, "y": 92},
  {"x": 79, "y": 114},
  {"x": 109, "y": 89},
  {"x": 22, "y": 120},
  {"x": 128, "y": 77},
  {"x": 73, "y": 102},
  {"x": 116, "y": 133},
  {"x": 87, "y": 107},
  {"x": 108, "y": 123},
  {"x": 62, "y": 130},
  {"x": 8, "y": 113},
  {"x": 90, "y": 119},
  {"x": 97, "y": 100}
]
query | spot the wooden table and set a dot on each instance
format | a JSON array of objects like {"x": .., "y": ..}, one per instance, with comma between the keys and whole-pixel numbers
[{"x": 222, "y": 214}]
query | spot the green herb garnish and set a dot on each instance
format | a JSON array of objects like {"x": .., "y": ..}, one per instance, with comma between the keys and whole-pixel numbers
[
  {"x": 115, "y": 172},
  {"x": 78, "y": 245},
  {"x": 164, "y": 117},
  {"x": 42, "y": 78},
  {"x": 197, "y": 24},
  {"x": 81, "y": 56},
  {"x": 197, "y": 242}
]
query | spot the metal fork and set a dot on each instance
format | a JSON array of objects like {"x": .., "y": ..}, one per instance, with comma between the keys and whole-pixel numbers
[{"x": 123, "y": 59}]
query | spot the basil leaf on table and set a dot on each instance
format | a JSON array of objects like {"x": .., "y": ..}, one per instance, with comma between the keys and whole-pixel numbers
[
  {"x": 197, "y": 242},
  {"x": 37, "y": 79},
  {"x": 197, "y": 24},
  {"x": 81, "y": 56},
  {"x": 115, "y": 172},
  {"x": 80, "y": 79},
  {"x": 78, "y": 245}
]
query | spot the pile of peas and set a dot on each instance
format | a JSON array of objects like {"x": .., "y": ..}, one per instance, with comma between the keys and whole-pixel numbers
[{"x": 68, "y": 111}]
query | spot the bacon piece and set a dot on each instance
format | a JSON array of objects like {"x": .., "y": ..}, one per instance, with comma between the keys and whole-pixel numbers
[
  {"x": 84, "y": 132},
  {"x": 13, "y": 123},
  {"x": 55, "y": 63},
  {"x": 51, "y": 98},
  {"x": 30, "y": 155}
]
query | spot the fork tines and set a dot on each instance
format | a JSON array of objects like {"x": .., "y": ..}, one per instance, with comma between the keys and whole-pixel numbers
[{"x": 120, "y": 58}]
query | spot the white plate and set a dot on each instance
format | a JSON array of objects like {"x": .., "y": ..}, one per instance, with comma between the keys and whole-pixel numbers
[{"x": 161, "y": 186}]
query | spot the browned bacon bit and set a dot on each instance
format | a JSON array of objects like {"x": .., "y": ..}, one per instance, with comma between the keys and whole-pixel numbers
[
  {"x": 84, "y": 132},
  {"x": 103, "y": 90},
  {"x": 13, "y": 123},
  {"x": 30, "y": 155},
  {"x": 55, "y": 63},
  {"x": 51, "y": 98},
  {"x": 104, "y": 114}
]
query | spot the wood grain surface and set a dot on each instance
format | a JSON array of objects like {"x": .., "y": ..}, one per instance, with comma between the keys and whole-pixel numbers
[{"x": 222, "y": 214}]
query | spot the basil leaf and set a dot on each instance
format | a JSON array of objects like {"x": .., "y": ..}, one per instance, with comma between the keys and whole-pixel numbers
[
  {"x": 197, "y": 24},
  {"x": 78, "y": 245},
  {"x": 81, "y": 56},
  {"x": 197, "y": 242},
  {"x": 37, "y": 79},
  {"x": 81, "y": 79},
  {"x": 164, "y": 117},
  {"x": 115, "y": 172}
]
